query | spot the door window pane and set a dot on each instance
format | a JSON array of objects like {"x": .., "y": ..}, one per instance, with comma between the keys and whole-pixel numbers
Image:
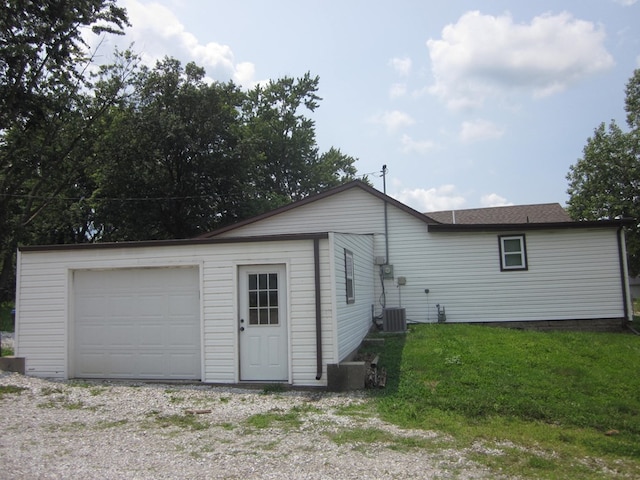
[{"x": 263, "y": 299}]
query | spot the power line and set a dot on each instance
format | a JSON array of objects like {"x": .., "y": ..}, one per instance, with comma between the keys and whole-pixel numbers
[{"x": 114, "y": 199}]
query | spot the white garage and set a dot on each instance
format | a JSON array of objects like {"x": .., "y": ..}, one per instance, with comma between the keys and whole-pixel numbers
[{"x": 141, "y": 323}]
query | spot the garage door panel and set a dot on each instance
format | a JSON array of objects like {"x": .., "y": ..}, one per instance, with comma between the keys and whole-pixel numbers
[
  {"x": 93, "y": 335},
  {"x": 119, "y": 335},
  {"x": 180, "y": 304},
  {"x": 91, "y": 305},
  {"x": 152, "y": 365},
  {"x": 153, "y": 336},
  {"x": 180, "y": 364},
  {"x": 93, "y": 365},
  {"x": 182, "y": 334},
  {"x": 137, "y": 323}
]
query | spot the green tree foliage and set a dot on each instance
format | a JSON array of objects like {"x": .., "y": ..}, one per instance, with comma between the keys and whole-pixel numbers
[
  {"x": 605, "y": 183},
  {"x": 137, "y": 153},
  {"x": 281, "y": 140},
  {"x": 168, "y": 164},
  {"x": 46, "y": 115}
]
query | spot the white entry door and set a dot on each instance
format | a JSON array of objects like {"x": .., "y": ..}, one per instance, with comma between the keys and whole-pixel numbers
[{"x": 263, "y": 323}]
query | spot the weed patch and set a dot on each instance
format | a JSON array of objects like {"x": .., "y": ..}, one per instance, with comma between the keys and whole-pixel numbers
[
  {"x": 46, "y": 391},
  {"x": 286, "y": 420},
  {"x": 107, "y": 424},
  {"x": 273, "y": 388},
  {"x": 356, "y": 410},
  {"x": 358, "y": 438},
  {"x": 9, "y": 390},
  {"x": 189, "y": 422},
  {"x": 62, "y": 402}
]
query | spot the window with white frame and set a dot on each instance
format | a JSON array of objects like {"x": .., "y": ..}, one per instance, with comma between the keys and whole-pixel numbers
[
  {"x": 513, "y": 254},
  {"x": 349, "y": 276}
]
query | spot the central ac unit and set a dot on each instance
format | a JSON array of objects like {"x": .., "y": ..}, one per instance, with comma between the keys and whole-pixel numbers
[{"x": 394, "y": 320}]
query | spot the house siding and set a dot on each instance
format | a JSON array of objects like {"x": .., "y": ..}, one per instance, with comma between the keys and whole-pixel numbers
[
  {"x": 462, "y": 269},
  {"x": 351, "y": 211},
  {"x": 462, "y": 272},
  {"x": 353, "y": 319},
  {"x": 44, "y": 296}
]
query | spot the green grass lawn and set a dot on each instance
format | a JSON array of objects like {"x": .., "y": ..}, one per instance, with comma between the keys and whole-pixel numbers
[{"x": 559, "y": 405}]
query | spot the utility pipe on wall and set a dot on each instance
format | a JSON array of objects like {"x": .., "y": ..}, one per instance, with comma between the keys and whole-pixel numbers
[{"x": 386, "y": 220}]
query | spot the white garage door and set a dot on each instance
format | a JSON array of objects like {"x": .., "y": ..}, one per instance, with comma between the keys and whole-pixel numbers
[{"x": 141, "y": 323}]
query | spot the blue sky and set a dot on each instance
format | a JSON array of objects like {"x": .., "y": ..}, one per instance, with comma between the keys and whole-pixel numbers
[{"x": 469, "y": 104}]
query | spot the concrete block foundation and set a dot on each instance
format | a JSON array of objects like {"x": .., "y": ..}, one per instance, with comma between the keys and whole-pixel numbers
[{"x": 345, "y": 376}]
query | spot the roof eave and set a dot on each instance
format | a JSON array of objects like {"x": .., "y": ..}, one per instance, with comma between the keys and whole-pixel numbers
[
  {"x": 173, "y": 243},
  {"x": 495, "y": 227}
]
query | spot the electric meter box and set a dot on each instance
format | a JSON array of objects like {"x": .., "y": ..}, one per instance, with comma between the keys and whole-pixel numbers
[{"x": 387, "y": 271}]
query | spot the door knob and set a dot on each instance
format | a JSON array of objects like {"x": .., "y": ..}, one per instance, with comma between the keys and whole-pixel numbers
[{"x": 242, "y": 329}]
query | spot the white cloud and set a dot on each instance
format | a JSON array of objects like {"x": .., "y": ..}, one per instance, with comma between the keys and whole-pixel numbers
[
  {"x": 485, "y": 56},
  {"x": 157, "y": 32},
  {"x": 402, "y": 66},
  {"x": 398, "y": 90},
  {"x": 444, "y": 197},
  {"x": 480, "y": 129},
  {"x": 626, "y": 3},
  {"x": 393, "y": 120},
  {"x": 244, "y": 74},
  {"x": 494, "y": 200},
  {"x": 410, "y": 145}
]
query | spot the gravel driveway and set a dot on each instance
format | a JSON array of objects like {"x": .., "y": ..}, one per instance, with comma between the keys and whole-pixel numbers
[{"x": 102, "y": 430}]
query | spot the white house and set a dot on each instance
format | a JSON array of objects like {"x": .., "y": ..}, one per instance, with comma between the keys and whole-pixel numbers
[{"x": 280, "y": 296}]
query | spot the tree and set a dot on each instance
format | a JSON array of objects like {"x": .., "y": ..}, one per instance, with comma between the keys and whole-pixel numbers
[
  {"x": 605, "y": 183},
  {"x": 182, "y": 156},
  {"x": 168, "y": 165},
  {"x": 282, "y": 142},
  {"x": 46, "y": 112}
]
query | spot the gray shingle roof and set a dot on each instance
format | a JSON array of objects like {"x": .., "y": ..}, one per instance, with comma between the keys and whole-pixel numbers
[{"x": 539, "y": 213}]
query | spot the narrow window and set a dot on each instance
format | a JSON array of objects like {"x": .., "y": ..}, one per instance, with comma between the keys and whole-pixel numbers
[
  {"x": 513, "y": 255},
  {"x": 349, "y": 276}
]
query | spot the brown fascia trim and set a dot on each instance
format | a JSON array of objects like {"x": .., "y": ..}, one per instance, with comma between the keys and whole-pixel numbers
[
  {"x": 320, "y": 196},
  {"x": 495, "y": 227},
  {"x": 174, "y": 243}
]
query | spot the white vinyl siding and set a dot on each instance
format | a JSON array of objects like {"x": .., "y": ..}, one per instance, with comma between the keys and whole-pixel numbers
[
  {"x": 365, "y": 214},
  {"x": 353, "y": 319},
  {"x": 462, "y": 269},
  {"x": 560, "y": 284},
  {"x": 45, "y": 291}
]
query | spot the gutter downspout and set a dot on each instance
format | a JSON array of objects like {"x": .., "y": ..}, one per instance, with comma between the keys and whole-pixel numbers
[
  {"x": 623, "y": 273},
  {"x": 316, "y": 265}
]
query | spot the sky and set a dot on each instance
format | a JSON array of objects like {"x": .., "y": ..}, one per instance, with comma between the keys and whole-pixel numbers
[{"x": 468, "y": 104}]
